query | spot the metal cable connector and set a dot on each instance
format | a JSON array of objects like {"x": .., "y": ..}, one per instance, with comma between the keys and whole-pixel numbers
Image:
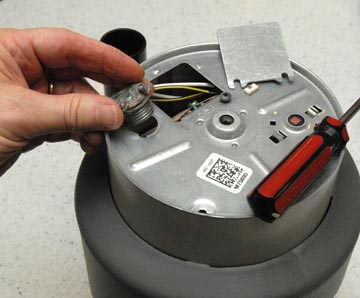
[{"x": 135, "y": 104}]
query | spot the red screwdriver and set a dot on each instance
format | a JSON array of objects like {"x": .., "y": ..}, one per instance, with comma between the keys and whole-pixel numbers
[{"x": 286, "y": 182}]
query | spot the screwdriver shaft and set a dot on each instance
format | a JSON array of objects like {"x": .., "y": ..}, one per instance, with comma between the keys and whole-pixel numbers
[{"x": 350, "y": 112}]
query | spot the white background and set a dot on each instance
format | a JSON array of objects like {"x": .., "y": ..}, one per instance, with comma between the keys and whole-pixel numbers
[{"x": 40, "y": 249}]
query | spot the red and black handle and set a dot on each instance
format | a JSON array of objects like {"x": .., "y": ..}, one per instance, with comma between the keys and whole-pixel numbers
[{"x": 295, "y": 172}]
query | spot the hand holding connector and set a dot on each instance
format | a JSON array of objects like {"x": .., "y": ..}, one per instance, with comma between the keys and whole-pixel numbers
[{"x": 135, "y": 104}]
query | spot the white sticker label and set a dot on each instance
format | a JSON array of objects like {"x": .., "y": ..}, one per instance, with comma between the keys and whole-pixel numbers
[{"x": 224, "y": 173}]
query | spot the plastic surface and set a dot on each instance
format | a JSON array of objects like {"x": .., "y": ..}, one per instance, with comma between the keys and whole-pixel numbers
[
  {"x": 130, "y": 42},
  {"x": 120, "y": 264}
]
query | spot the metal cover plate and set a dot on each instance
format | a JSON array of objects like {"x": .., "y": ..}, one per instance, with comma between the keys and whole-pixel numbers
[
  {"x": 254, "y": 53},
  {"x": 165, "y": 163}
]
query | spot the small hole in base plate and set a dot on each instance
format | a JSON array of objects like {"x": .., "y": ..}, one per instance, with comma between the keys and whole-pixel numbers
[{"x": 274, "y": 139}]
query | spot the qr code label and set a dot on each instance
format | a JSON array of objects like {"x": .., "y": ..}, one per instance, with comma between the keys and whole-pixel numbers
[{"x": 224, "y": 173}]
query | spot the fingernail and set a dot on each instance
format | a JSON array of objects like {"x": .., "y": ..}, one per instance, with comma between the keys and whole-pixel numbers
[{"x": 107, "y": 117}]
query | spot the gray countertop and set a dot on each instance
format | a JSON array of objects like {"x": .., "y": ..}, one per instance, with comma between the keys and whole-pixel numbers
[{"x": 40, "y": 247}]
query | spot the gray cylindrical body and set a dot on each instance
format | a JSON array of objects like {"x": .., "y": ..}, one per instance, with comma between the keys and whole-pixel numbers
[
  {"x": 121, "y": 264},
  {"x": 156, "y": 183},
  {"x": 141, "y": 208}
]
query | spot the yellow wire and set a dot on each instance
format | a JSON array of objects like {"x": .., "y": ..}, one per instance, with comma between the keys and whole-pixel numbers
[
  {"x": 183, "y": 87},
  {"x": 177, "y": 99}
]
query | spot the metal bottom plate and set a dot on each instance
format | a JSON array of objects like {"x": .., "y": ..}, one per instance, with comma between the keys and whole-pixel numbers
[{"x": 163, "y": 184}]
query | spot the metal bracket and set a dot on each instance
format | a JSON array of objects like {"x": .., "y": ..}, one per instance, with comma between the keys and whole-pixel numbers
[{"x": 254, "y": 53}]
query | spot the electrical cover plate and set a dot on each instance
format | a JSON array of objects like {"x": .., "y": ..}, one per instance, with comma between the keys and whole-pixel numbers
[{"x": 254, "y": 53}]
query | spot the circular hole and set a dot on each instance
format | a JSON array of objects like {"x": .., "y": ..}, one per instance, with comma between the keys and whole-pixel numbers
[
  {"x": 226, "y": 119},
  {"x": 147, "y": 128},
  {"x": 203, "y": 206}
]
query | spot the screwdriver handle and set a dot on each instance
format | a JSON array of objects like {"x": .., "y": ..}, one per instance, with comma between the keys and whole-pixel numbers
[{"x": 283, "y": 185}]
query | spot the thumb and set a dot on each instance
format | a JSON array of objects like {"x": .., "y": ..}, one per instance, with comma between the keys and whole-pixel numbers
[{"x": 74, "y": 112}]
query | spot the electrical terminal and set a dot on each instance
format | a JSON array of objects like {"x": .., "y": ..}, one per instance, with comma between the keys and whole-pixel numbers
[{"x": 250, "y": 90}]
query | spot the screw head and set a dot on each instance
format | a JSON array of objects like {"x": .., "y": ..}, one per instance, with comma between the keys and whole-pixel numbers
[{"x": 225, "y": 97}]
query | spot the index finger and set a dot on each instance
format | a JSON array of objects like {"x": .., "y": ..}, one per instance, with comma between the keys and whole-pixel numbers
[{"x": 61, "y": 48}]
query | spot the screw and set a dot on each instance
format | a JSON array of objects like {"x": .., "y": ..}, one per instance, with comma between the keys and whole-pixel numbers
[{"x": 225, "y": 97}]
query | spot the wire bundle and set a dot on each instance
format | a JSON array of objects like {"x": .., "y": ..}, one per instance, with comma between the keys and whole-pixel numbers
[{"x": 196, "y": 87}]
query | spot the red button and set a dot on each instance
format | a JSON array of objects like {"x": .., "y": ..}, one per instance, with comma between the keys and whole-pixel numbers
[{"x": 296, "y": 120}]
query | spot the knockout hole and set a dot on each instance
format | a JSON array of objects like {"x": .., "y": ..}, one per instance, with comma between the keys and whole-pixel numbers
[
  {"x": 148, "y": 127},
  {"x": 226, "y": 119}
]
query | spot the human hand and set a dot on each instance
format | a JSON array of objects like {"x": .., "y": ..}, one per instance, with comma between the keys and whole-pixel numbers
[{"x": 29, "y": 61}]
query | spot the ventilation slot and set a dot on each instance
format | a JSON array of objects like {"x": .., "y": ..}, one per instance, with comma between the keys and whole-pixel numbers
[
  {"x": 313, "y": 111},
  {"x": 274, "y": 139},
  {"x": 278, "y": 136}
]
